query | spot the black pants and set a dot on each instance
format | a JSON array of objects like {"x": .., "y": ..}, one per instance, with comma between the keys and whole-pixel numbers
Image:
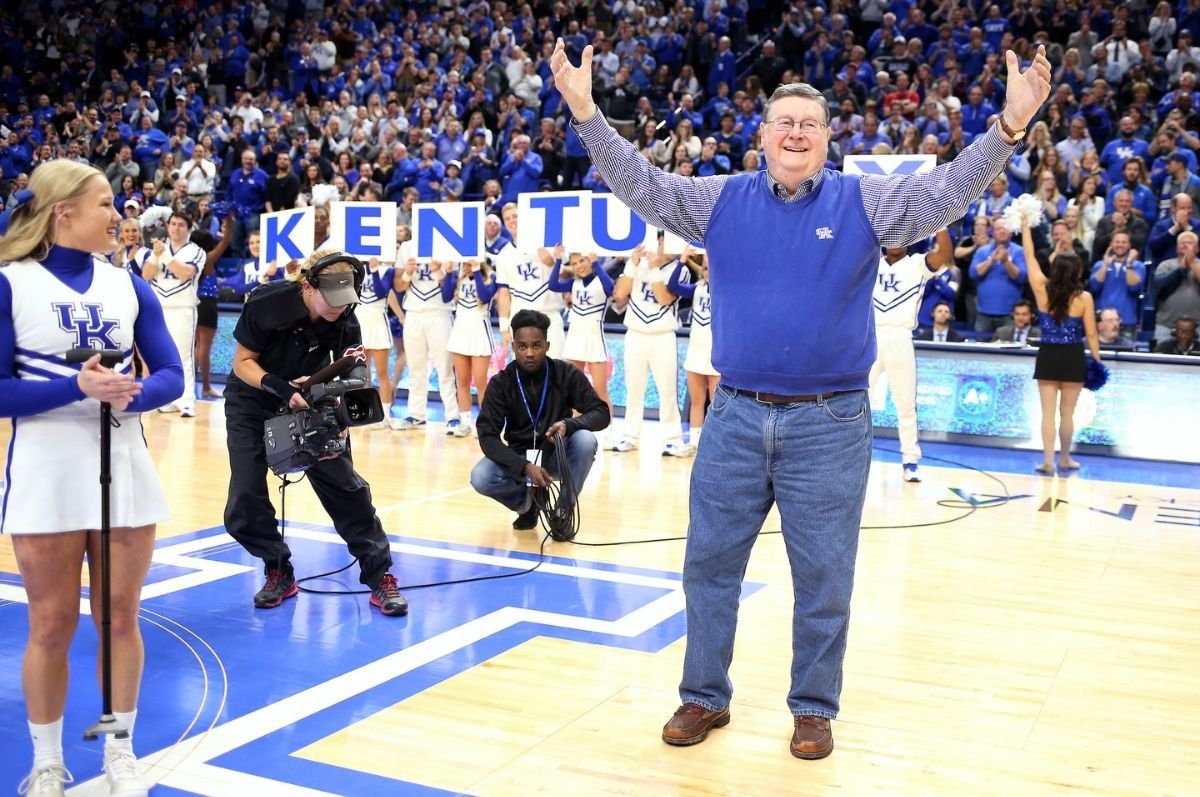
[{"x": 250, "y": 516}]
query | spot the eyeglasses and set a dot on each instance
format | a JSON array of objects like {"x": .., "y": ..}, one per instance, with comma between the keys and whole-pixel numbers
[{"x": 807, "y": 126}]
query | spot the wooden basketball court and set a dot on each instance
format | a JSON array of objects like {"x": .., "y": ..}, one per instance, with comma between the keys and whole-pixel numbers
[{"x": 1044, "y": 644}]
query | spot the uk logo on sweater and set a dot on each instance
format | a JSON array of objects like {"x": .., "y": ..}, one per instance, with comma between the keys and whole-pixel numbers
[
  {"x": 824, "y": 233},
  {"x": 89, "y": 326}
]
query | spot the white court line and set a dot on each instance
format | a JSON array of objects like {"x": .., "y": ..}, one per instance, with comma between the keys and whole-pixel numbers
[{"x": 198, "y": 776}]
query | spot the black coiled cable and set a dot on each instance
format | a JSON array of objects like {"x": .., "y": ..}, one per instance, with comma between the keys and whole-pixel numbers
[{"x": 559, "y": 518}]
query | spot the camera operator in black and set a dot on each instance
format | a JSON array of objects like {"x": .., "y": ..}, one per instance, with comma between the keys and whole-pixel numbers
[
  {"x": 531, "y": 402},
  {"x": 288, "y": 331}
]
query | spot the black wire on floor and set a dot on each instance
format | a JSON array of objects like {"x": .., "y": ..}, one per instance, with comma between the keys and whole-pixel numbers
[{"x": 564, "y": 526}]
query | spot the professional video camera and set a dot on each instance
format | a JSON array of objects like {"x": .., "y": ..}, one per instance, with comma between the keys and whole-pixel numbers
[{"x": 296, "y": 439}]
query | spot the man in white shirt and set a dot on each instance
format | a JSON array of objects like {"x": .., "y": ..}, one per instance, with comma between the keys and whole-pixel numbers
[
  {"x": 252, "y": 117},
  {"x": 200, "y": 173}
]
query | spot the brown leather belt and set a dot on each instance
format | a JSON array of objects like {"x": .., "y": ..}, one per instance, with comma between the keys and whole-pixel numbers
[{"x": 776, "y": 398}]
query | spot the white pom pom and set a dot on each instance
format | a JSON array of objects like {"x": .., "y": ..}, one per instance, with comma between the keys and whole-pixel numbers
[
  {"x": 1024, "y": 209},
  {"x": 323, "y": 194},
  {"x": 154, "y": 216}
]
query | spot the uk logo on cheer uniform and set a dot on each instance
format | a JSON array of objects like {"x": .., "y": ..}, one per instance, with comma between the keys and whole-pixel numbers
[{"x": 87, "y": 326}]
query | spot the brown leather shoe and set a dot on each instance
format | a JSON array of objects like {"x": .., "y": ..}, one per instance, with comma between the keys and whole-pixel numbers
[
  {"x": 813, "y": 738},
  {"x": 691, "y": 724}
]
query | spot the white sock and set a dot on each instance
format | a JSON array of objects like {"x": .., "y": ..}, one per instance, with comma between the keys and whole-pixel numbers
[
  {"x": 47, "y": 743},
  {"x": 696, "y": 435},
  {"x": 125, "y": 718}
]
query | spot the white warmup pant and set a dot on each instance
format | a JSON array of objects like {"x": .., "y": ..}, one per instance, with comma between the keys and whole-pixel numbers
[
  {"x": 655, "y": 352},
  {"x": 556, "y": 336},
  {"x": 897, "y": 358},
  {"x": 425, "y": 338},
  {"x": 181, "y": 326}
]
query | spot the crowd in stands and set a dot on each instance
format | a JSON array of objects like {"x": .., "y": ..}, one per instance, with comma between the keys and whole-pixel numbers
[{"x": 239, "y": 108}]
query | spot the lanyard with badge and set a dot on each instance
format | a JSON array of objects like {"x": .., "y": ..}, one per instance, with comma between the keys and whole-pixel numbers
[{"x": 533, "y": 454}]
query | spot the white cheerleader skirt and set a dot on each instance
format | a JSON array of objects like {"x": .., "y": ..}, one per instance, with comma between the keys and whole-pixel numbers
[
  {"x": 699, "y": 353},
  {"x": 376, "y": 333},
  {"x": 585, "y": 344},
  {"x": 52, "y": 480},
  {"x": 471, "y": 335}
]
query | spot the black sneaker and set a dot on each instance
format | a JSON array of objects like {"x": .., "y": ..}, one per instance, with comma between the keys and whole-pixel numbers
[
  {"x": 527, "y": 519},
  {"x": 388, "y": 598},
  {"x": 562, "y": 524},
  {"x": 281, "y": 585}
]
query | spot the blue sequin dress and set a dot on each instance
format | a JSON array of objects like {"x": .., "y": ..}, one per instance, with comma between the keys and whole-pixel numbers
[{"x": 1061, "y": 356}]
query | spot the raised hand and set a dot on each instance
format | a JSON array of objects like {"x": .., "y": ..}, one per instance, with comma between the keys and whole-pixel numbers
[
  {"x": 574, "y": 83},
  {"x": 1026, "y": 91}
]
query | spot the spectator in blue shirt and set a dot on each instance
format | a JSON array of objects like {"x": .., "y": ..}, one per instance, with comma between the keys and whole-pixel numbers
[
  {"x": 973, "y": 54},
  {"x": 1118, "y": 151},
  {"x": 248, "y": 193},
  {"x": 975, "y": 112},
  {"x": 729, "y": 143},
  {"x": 452, "y": 186},
  {"x": 1145, "y": 205},
  {"x": 710, "y": 162},
  {"x": 994, "y": 27},
  {"x": 862, "y": 143},
  {"x": 430, "y": 173},
  {"x": 1118, "y": 279},
  {"x": 724, "y": 66},
  {"x": 521, "y": 170},
  {"x": 404, "y": 173},
  {"x": 451, "y": 144},
  {"x": 594, "y": 181},
  {"x": 998, "y": 269}
]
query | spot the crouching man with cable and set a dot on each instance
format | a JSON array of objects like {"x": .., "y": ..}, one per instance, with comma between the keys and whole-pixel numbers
[
  {"x": 289, "y": 331},
  {"x": 531, "y": 403}
]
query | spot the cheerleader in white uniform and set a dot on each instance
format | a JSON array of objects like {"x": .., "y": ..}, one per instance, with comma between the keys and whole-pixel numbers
[
  {"x": 524, "y": 285},
  {"x": 372, "y": 314},
  {"x": 55, "y": 296},
  {"x": 472, "y": 288},
  {"x": 590, "y": 291},
  {"x": 173, "y": 270},
  {"x": 701, "y": 376},
  {"x": 130, "y": 254},
  {"x": 651, "y": 318}
]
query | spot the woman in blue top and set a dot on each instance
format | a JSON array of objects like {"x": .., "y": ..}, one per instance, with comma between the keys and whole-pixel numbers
[
  {"x": 56, "y": 295},
  {"x": 1067, "y": 315}
]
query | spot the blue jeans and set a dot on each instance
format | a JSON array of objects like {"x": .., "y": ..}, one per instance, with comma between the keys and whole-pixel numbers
[
  {"x": 811, "y": 459},
  {"x": 491, "y": 480}
]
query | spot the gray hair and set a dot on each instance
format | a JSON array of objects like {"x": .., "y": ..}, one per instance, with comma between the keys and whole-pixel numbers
[{"x": 801, "y": 90}]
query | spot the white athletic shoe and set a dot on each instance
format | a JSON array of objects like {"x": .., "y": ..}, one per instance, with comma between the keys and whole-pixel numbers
[
  {"x": 678, "y": 448},
  {"x": 461, "y": 428},
  {"x": 187, "y": 411},
  {"x": 169, "y": 408},
  {"x": 48, "y": 781},
  {"x": 124, "y": 775},
  {"x": 624, "y": 444},
  {"x": 406, "y": 424},
  {"x": 911, "y": 474}
]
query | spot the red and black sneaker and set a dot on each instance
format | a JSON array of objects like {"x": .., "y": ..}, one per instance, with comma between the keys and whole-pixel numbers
[
  {"x": 281, "y": 585},
  {"x": 388, "y": 598}
]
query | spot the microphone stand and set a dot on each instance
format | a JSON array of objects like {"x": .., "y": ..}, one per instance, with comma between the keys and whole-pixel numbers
[{"x": 107, "y": 724}]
